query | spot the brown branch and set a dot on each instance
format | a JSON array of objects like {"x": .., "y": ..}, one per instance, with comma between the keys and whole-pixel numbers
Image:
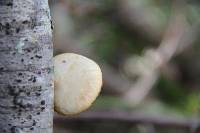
[{"x": 131, "y": 118}]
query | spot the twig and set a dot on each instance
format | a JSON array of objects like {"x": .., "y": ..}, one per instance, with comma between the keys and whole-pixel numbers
[
  {"x": 161, "y": 56},
  {"x": 130, "y": 118}
]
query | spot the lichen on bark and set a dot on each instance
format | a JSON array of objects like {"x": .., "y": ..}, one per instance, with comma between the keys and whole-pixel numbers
[{"x": 26, "y": 78}]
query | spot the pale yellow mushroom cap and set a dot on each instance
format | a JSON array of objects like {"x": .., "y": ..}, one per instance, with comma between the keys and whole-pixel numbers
[{"x": 78, "y": 81}]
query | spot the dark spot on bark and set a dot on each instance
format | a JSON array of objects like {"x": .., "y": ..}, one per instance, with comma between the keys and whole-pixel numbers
[
  {"x": 64, "y": 61},
  {"x": 7, "y": 32},
  {"x": 29, "y": 105},
  {"x": 43, "y": 102},
  {"x": 25, "y": 22},
  {"x": 1, "y": 26},
  {"x": 48, "y": 70},
  {"x": 51, "y": 84},
  {"x": 13, "y": 129},
  {"x": 38, "y": 94},
  {"x": 34, "y": 122},
  {"x": 37, "y": 56},
  {"x": 52, "y": 25},
  {"x": 19, "y": 74},
  {"x": 13, "y": 91},
  {"x": 33, "y": 22},
  {"x": 28, "y": 50},
  {"x": 29, "y": 117},
  {"x": 1, "y": 68},
  {"x": 42, "y": 108},
  {"x": 39, "y": 72},
  {"x": 32, "y": 128},
  {"x": 17, "y": 30},
  {"x": 28, "y": 93},
  {"x": 10, "y": 4},
  {"x": 18, "y": 80},
  {"x": 34, "y": 79},
  {"x": 38, "y": 113},
  {"x": 32, "y": 58},
  {"x": 7, "y": 26},
  {"x": 22, "y": 60}
]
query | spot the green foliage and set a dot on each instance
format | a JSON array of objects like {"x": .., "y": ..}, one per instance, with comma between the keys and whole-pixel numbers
[
  {"x": 114, "y": 43},
  {"x": 193, "y": 14},
  {"x": 176, "y": 96},
  {"x": 171, "y": 92},
  {"x": 110, "y": 102},
  {"x": 193, "y": 103}
]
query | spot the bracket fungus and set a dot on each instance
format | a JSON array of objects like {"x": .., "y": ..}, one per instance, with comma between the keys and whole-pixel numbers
[{"x": 78, "y": 82}]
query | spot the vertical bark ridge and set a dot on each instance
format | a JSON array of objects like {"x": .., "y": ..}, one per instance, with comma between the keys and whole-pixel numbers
[{"x": 26, "y": 78}]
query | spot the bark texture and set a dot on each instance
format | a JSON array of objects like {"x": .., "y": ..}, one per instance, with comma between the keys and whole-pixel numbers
[{"x": 26, "y": 78}]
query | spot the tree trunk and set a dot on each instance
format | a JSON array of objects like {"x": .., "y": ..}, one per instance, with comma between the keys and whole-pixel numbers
[{"x": 26, "y": 78}]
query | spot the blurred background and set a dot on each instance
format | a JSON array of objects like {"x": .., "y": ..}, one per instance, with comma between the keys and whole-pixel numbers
[{"x": 149, "y": 54}]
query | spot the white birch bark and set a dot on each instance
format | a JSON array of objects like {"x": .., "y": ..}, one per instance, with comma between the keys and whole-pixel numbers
[{"x": 26, "y": 78}]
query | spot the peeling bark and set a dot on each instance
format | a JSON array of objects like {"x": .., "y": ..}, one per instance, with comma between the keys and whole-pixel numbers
[{"x": 26, "y": 78}]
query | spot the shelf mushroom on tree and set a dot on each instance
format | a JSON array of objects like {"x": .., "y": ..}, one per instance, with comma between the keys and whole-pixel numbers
[{"x": 78, "y": 81}]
